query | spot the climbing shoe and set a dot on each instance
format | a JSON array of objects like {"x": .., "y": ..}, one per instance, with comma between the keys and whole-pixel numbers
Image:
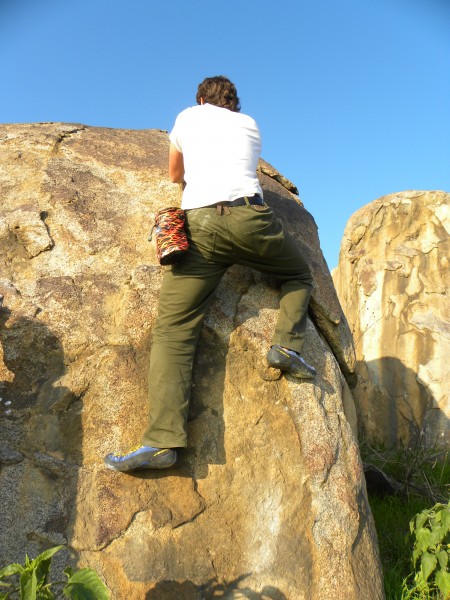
[
  {"x": 290, "y": 361},
  {"x": 142, "y": 457}
]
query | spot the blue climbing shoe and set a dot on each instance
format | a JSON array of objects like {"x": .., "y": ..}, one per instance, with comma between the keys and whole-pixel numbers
[
  {"x": 142, "y": 457},
  {"x": 290, "y": 362}
]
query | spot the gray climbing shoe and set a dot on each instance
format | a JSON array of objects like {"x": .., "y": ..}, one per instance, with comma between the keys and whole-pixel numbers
[
  {"x": 142, "y": 457},
  {"x": 290, "y": 362}
]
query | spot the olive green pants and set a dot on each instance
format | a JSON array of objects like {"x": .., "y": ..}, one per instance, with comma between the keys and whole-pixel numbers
[{"x": 247, "y": 235}]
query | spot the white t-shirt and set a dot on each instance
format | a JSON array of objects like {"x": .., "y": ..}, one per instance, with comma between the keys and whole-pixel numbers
[{"x": 220, "y": 151}]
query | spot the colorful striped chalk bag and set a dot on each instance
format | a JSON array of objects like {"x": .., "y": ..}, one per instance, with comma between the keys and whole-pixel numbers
[{"x": 171, "y": 240}]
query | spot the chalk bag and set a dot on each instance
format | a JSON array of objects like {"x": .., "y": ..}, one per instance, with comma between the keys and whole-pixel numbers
[{"x": 170, "y": 236}]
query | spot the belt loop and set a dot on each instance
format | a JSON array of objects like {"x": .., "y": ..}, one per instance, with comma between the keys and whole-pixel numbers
[
  {"x": 246, "y": 200},
  {"x": 222, "y": 209}
]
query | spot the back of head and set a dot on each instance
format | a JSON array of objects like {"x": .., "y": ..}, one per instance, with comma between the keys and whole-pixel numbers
[{"x": 219, "y": 91}]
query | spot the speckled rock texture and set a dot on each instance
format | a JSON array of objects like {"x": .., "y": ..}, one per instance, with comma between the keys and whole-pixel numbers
[
  {"x": 393, "y": 282},
  {"x": 269, "y": 499}
]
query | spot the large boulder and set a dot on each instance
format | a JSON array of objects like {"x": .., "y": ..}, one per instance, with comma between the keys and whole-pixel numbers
[
  {"x": 393, "y": 283},
  {"x": 269, "y": 499}
]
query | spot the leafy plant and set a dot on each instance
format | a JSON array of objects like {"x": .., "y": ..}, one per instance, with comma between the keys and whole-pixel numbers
[
  {"x": 30, "y": 581},
  {"x": 431, "y": 555}
]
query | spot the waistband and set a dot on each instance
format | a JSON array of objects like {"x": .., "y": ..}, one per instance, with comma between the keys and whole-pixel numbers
[
  {"x": 245, "y": 200},
  {"x": 256, "y": 199}
]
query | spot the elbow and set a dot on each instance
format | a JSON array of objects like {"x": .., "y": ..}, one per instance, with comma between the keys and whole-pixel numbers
[{"x": 176, "y": 177}]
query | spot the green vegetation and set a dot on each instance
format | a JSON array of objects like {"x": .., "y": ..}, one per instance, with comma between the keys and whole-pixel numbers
[
  {"x": 30, "y": 581},
  {"x": 431, "y": 555},
  {"x": 413, "y": 525}
]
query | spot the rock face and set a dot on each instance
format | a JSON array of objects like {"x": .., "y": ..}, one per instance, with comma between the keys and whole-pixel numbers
[
  {"x": 269, "y": 499},
  {"x": 393, "y": 282}
]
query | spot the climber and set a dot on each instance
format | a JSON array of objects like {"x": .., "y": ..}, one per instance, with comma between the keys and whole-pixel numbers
[{"x": 214, "y": 151}]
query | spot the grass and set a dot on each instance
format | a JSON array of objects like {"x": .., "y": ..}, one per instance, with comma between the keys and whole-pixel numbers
[
  {"x": 423, "y": 476},
  {"x": 392, "y": 516}
]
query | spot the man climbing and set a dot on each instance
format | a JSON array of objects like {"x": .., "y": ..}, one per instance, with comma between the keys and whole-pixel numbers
[{"x": 215, "y": 149}]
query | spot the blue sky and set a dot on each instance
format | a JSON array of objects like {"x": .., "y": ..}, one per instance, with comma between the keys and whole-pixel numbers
[{"x": 352, "y": 96}]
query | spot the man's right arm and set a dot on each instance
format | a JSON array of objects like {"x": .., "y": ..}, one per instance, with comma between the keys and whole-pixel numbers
[{"x": 176, "y": 165}]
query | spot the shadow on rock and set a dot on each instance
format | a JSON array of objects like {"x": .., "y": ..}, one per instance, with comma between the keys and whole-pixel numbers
[
  {"x": 32, "y": 354},
  {"x": 396, "y": 407},
  {"x": 187, "y": 590},
  {"x": 40, "y": 440}
]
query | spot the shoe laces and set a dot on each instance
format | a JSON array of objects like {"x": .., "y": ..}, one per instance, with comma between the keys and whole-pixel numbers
[
  {"x": 130, "y": 451},
  {"x": 291, "y": 352}
]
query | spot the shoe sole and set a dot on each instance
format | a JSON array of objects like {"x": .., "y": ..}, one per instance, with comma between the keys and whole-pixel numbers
[{"x": 142, "y": 465}]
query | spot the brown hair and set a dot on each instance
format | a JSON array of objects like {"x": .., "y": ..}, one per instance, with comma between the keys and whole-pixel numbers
[{"x": 219, "y": 91}]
